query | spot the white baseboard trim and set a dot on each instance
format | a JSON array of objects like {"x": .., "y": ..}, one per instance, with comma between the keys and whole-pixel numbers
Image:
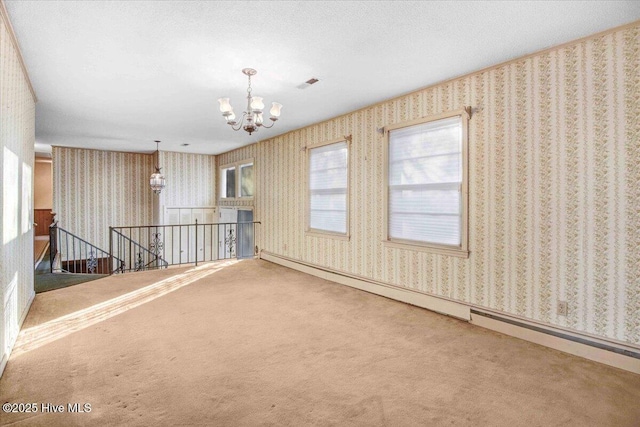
[
  {"x": 418, "y": 299},
  {"x": 511, "y": 326},
  {"x": 23, "y": 316}
]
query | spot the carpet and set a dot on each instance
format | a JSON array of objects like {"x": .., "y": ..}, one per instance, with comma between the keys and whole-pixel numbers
[
  {"x": 253, "y": 343},
  {"x": 45, "y": 280}
]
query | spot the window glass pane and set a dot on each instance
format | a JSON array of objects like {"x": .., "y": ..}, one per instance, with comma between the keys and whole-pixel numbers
[
  {"x": 334, "y": 202},
  {"x": 426, "y": 170},
  {"x": 246, "y": 180},
  {"x": 425, "y": 176},
  {"x": 426, "y": 228},
  {"x": 328, "y": 221},
  {"x": 328, "y": 178},
  {"x": 425, "y": 201},
  {"x": 328, "y": 175},
  {"x": 228, "y": 182}
]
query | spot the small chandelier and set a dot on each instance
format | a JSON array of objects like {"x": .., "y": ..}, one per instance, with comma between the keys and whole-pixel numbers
[
  {"x": 157, "y": 181},
  {"x": 252, "y": 117}
]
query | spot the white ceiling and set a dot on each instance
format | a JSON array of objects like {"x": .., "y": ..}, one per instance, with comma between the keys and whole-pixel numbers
[{"x": 117, "y": 75}]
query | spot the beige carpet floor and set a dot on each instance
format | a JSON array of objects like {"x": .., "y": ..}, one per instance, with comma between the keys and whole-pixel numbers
[{"x": 252, "y": 343}]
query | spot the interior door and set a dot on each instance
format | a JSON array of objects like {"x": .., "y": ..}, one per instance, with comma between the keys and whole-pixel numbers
[
  {"x": 186, "y": 237},
  {"x": 197, "y": 215},
  {"x": 210, "y": 239},
  {"x": 172, "y": 245}
]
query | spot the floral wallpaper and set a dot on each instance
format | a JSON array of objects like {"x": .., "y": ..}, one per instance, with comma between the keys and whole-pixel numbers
[
  {"x": 554, "y": 166},
  {"x": 191, "y": 179},
  {"x": 94, "y": 189},
  {"x": 17, "y": 138}
]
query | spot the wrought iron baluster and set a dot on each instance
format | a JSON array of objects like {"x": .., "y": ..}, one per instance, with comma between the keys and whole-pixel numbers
[
  {"x": 139, "y": 263},
  {"x": 196, "y": 248},
  {"x": 92, "y": 263},
  {"x": 230, "y": 241}
]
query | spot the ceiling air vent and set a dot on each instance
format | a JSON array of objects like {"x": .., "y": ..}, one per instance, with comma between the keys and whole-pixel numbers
[{"x": 308, "y": 83}]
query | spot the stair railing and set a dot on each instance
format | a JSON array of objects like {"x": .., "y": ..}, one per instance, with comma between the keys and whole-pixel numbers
[
  {"x": 147, "y": 247},
  {"x": 139, "y": 257},
  {"x": 71, "y": 254}
]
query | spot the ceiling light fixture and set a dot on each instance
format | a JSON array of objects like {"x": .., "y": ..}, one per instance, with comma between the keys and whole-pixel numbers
[
  {"x": 252, "y": 117},
  {"x": 157, "y": 181}
]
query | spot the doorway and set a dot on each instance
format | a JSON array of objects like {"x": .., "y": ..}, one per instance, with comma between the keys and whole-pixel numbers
[{"x": 42, "y": 205}]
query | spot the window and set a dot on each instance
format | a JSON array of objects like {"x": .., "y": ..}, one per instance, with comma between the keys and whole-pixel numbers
[
  {"x": 246, "y": 180},
  {"x": 427, "y": 183},
  {"x": 228, "y": 182},
  {"x": 328, "y": 195},
  {"x": 236, "y": 180}
]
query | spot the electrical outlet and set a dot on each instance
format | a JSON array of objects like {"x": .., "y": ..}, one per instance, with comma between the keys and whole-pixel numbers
[{"x": 563, "y": 308}]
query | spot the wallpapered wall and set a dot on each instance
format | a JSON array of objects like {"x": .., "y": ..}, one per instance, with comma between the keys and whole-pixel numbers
[
  {"x": 17, "y": 137},
  {"x": 554, "y": 189},
  {"x": 190, "y": 179},
  {"x": 248, "y": 152},
  {"x": 94, "y": 189}
]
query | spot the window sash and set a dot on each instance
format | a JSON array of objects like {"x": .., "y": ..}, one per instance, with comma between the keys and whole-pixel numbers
[
  {"x": 228, "y": 182},
  {"x": 328, "y": 193},
  {"x": 424, "y": 183},
  {"x": 247, "y": 183},
  {"x": 237, "y": 180}
]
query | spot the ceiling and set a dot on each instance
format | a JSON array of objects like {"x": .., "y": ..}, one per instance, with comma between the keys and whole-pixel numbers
[{"x": 117, "y": 75}]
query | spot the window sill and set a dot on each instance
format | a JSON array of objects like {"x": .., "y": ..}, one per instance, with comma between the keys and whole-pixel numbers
[
  {"x": 440, "y": 250},
  {"x": 327, "y": 234}
]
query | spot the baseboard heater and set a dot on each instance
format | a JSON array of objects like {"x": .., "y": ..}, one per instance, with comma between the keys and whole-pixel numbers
[
  {"x": 602, "y": 346},
  {"x": 599, "y": 350},
  {"x": 612, "y": 354}
]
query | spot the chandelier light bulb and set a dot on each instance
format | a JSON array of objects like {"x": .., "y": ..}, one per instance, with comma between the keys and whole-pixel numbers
[
  {"x": 275, "y": 109},
  {"x": 225, "y": 106},
  {"x": 259, "y": 119},
  {"x": 256, "y": 103}
]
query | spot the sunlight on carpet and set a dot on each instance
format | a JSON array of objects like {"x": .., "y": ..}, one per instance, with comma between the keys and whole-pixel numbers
[{"x": 37, "y": 336}]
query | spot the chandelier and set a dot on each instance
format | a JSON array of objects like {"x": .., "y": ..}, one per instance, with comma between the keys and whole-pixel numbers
[
  {"x": 157, "y": 181},
  {"x": 252, "y": 118}
]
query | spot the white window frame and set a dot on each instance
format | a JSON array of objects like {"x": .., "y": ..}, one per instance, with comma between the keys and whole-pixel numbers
[
  {"x": 463, "y": 249},
  {"x": 325, "y": 233},
  {"x": 237, "y": 165}
]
